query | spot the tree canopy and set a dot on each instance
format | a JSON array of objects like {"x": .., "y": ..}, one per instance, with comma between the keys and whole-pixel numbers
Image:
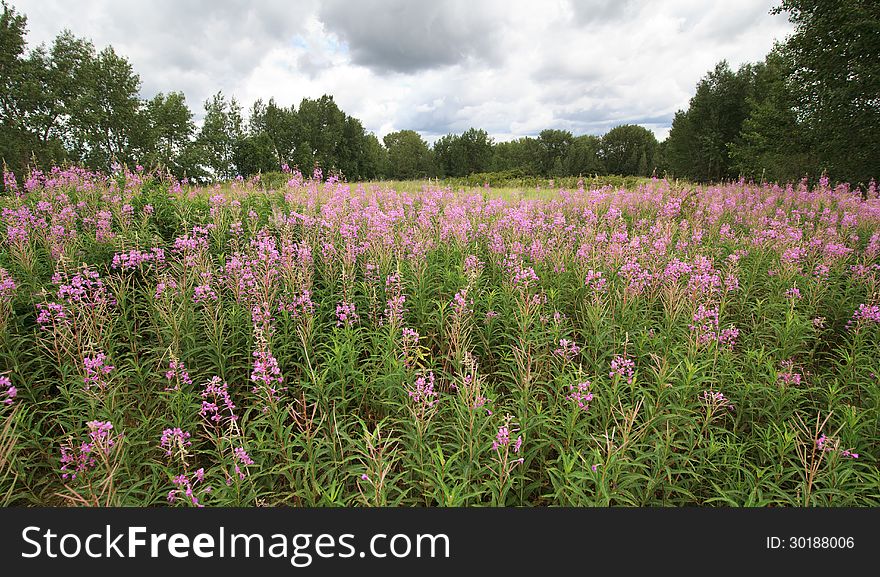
[{"x": 810, "y": 107}]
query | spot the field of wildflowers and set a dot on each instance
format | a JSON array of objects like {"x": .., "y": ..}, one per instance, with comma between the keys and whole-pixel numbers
[{"x": 331, "y": 343}]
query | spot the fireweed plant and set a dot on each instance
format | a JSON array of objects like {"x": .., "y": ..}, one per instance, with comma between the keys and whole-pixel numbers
[{"x": 331, "y": 344}]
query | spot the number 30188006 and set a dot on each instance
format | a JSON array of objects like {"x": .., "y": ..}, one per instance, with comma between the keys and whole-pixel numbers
[{"x": 811, "y": 543}]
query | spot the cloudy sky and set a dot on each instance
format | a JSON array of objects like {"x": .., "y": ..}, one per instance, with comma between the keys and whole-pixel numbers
[{"x": 511, "y": 67}]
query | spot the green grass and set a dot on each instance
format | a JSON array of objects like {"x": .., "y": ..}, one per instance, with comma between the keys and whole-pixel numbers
[{"x": 349, "y": 425}]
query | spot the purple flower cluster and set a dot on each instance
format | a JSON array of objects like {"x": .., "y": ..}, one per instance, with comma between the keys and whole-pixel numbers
[
  {"x": 176, "y": 374},
  {"x": 215, "y": 398},
  {"x": 580, "y": 395},
  {"x": 9, "y": 182},
  {"x": 638, "y": 279},
  {"x": 175, "y": 440},
  {"x": 166, "y": 285},
  {"x": 595, "y": 281},
  {"x": 520, "y": 275},
  {"x": 96, "y": 371},
  {"x": 185, "y": 486},
  {"x": 10, "y": 391},
  {"x": 502, "y": 438},
  {"x": 85, "y": 289},
  {"x": 567, "y": 349},
  {"x": 204, "y": 293},
  {"x": 706, "y": 327},
  {"x": 473, "y": 266},
  {"x": 794, "y": 293},
  {"x": 623, "y": 367},
  {"x": 190, "y": 248},
  {"x": 461, "y": 304},
  {"x": 422, "y": 393},
  {"x": 78, "y": 460},
  {"x": 394, "y": 308},
  {"x": 409, "y": 346},
  {"x": 241, "y": 459},
  {"x": 103, "y": 225},
  {"x": 266, "y": 376},
  {"x": 134, "y": 259},
  {"x": 787, "y": 375},
  {"x": 299, "y": 306},
  {"x": 346, "y": 314},
  {"x": 865, "y": 314},
  {"x": 716, "y": 400},
  {"x": 7, "y": 286},
  {"x": 829, "y": 444},
  {"x": 50, "y": 315}
]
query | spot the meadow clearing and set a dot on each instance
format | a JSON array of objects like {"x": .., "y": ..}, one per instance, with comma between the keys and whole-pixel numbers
[{"x": 324, "y": 343}]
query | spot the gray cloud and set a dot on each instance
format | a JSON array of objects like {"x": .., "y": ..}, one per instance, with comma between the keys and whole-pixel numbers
[
  {"x": 405, "y": 36},
  {"x": 727, "y": 26},
  {"x": 600, "y": 11},
  {"x": 511, "y": 67},
  {"x": 198, "y": 46}
]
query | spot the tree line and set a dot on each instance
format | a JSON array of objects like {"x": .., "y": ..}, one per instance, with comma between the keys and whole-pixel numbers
[{"x": 810, "y": 107}]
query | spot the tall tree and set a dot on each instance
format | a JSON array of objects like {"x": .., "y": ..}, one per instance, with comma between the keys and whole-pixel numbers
[
  {"x": 375, "y": 158},
  {"x": 63, "y": 75},
  {"x": 835, "y": 76},
  {"x": 523, "y": 154},
  {"x": 17, "y": 141},
  {"x": 254, "y": 153},
  {"x": 171, "y": 127},
  {"x": 351, "y": 149},
  {"x": 408, "y": 155},
  {"x": 220, "y": 135},
  {"x": 464, "y": 154},
  {"x": 774, "y": 144},
  {"x": 279, "y": 124},
  {"x": 554, "y": 146},
  {"x": 445, "y": 151},
  {"x": 699, "y": 140},
  {"x": 107, "y": 124},
  {"x": 629, "y": 150},
  {"x": 319, "y": 128},
  {"x": 582, "y": 157},
  {"x": 476, "y": 145}
]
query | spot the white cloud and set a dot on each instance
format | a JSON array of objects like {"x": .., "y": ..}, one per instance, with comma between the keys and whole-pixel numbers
[{"x": 511, "y": 68}]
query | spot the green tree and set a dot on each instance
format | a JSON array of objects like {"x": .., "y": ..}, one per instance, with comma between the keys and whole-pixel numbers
[
  {"x": 774, "y": 144},
  {"x": 700, "y": 138},
  {"x": 352, "y": 150},
  {"x": 476, "y": 146},
  {"x": 57, "y": 80},
  {"x": 319, "y": 134},
  {"x": 171, "y": 128},
  {"x": 461, "y": 155},
  {"x": 220, "y": 135},
  {"x": 582, "y": 157},
  {"x": 255, "y": 153},
  {"x": 17, "y": 92},
  {"x": 835, "y": 80},
  {"x": 280, "y": 124},
  {"x": 629, "y": 150},
  {"x": 107, "y": 124},
  {"x": 522, "y": 155},
  {"x": 445, "y": 151},
  {"x": 374, "y": 162},
  {"x": 554, "y": 146},
  {"x": 408, "y": 155}
]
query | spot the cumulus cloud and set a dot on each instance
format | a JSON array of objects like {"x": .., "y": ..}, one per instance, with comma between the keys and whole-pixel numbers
[
  {"x": 592, "y": 11},
  {"x": 198, "y": 46},
  {"x": 511, "y": 67},
  {"x": 402, "y": 36}
]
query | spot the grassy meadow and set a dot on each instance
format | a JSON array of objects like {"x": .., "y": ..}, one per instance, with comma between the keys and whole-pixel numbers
[{"x": 322, "y": 343}]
